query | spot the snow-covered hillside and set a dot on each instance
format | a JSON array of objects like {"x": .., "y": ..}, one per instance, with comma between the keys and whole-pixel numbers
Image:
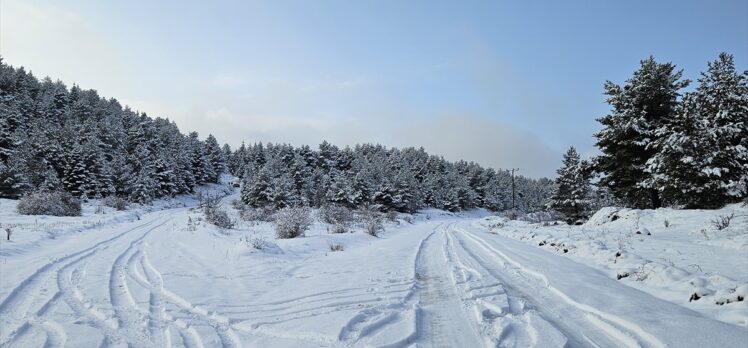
[{"x": 160, "y": 276}]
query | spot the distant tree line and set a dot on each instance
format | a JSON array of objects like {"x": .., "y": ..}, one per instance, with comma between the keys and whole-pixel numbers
[
  {"x": 54, "y": 138},
  {"x": 374, "y": 176},
  {"x": 664, "y": 148}
]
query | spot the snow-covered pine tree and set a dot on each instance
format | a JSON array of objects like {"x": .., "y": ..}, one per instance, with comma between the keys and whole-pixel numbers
[
  {"x": 143, "y": 186},
  {"x": 339, "y": 190},
  {"x": 235, "y": 161},
  {"x": 257, "y": 190},
  {"x": 214, "y": 156},
  {"x": 284, "y": 193},
  {"x": 13, "y": 178},
  {"x": 643, "y": 105},
  {"x": 327, "y": 156},
  {"x": 76, "y": 176},
  {"x": 165, "y": 180},
  {"x": 226, "y": 150},
  {"x": 571, "y": 194},
  {"x": 722, "y": 99},
  {"x": 201, "y": 167},
  {"x": 701, "y": 159}
]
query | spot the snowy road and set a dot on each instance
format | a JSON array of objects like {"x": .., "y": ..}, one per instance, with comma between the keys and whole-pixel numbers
[
  {"x": 112, "y": 266},
  {"x": 440, "y": 283},
  {"x": 544, "y": 299}
]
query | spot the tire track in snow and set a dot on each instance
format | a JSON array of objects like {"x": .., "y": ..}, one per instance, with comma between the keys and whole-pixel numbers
[
  {"x": 441, "y": 316},
  {"x": 126, "y": 310},
  {"x": 506, "y": 321},
  {"x": 492, "y": 307},
  {"x": 160, "y": 320},
  {"x": 607, "y": 327},
  {"x": 150, "y": 279},
  {"x": 114, "y": 329},
  {"x": 15, "y": 308},
  {"x": 157, "y": 326},
  {"x": 369, "y": 321}
]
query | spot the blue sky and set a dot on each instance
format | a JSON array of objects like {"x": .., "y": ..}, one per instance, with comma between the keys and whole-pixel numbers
[{"x": 504, "y": 83}]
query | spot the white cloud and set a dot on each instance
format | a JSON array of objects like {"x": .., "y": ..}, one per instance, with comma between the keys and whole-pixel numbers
[{"x": 51, "y": 40}]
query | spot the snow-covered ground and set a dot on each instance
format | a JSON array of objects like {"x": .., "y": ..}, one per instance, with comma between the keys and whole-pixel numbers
[
  {"x": 676, "y": 255},
  {"x": 149, "y": 277}
]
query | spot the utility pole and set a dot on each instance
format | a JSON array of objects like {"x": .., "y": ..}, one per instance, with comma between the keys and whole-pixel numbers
[{"x": 513, "y": 195}]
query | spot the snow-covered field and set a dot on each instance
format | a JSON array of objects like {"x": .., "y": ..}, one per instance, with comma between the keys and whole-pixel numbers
[{"x": 149, "y": 277}]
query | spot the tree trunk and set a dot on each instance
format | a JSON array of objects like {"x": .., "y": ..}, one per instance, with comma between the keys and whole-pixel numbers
[{"x": 655, "y": 198}]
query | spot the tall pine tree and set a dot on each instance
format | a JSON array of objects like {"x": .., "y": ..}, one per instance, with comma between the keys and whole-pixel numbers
[
  {"x": 647, "y": 102},
  {"x": 571, "y": 194},
  {"x": 702, "y": 155}
]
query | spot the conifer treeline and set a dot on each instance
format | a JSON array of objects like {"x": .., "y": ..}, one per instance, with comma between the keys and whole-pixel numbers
[
  {"x": 55, "y": 138},
  {"x": 387, "y": 179}
]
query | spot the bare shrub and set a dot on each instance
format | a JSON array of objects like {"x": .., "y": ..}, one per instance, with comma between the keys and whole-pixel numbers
[
  {"x": 264, "y": 214},
  {"x": 723, "y": 221},
  {"x": 340, "y": 217},
  {"x": 333, "y": 214},
  {"x": 336, "y": 246},
  {"x": 496, "y": 225},
  {"x": 191, "y": 224},
  {"x": 55, "y": 203},
  {"x": 215, "y": 215},
  {"x": 666, "y": 222},
  {"x": 258, "y": 242},
  {"x": 511, "y": 214},
  {"x": 292, "y": 222},
  {"x": 8, "y": 232},
  {"x": 339, "y": 228},
  {"x": 115, "y": 202},
  {"x": 642, "y": 273},
  {"x": 373, "y": 221},
  {"x": 237, "y": 204},
  {"x": 391, "y": 215}
]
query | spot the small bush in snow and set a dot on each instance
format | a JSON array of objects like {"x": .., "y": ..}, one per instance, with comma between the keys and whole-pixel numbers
[
  {"x": 373, "y": 221},
  {"x": 340, "y": 217},
  {"x": 339, "y": 228},
  {"x": 393, "y": 216},
  {"x": 292, "y": 222},
  {"x": 8, "y": 232},
  {"x": 191, "y": 224},
  {"x": 215, "y": 215},
  {"x": 496, "y": 225},
  {"x": 333, "y": 214},
  {"x": 115, "y": 202},
  {"x": 642, "y": 273},
  {"x": 264, "y": 214},
  {"x": 723, "y": 221},
  {"x": 704, "y": 233},
  {"x": 336, "y": 246},
  {"x": 237, "y": 204},
  {"x": 256, "y": 241},
  {"x": 666, "y": 222},
  {"x": 55, "y": 203},
  {"x": 511, "y": 214}
]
